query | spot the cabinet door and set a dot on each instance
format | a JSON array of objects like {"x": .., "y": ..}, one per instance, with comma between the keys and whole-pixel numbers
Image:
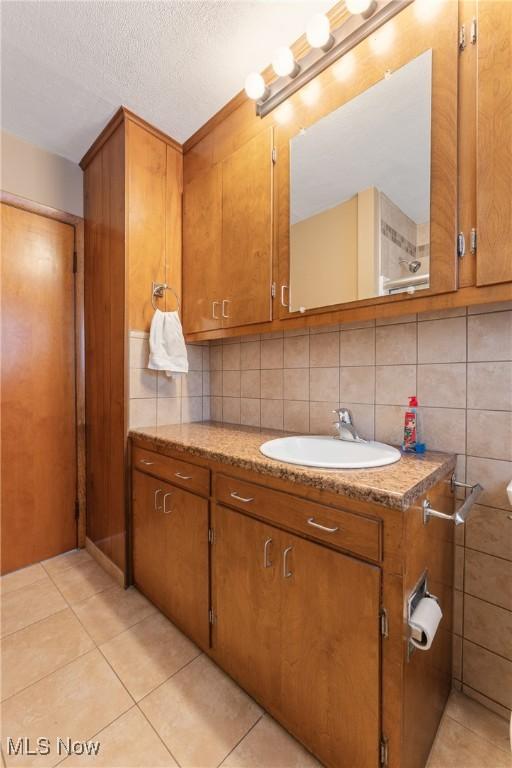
[
  {"x": 245, "y": 601},
  {"x": 247, "y": 233},
  {"x": 330, "y": 653},
  {"x": 202, "y": 233},
  {"x": 170, "y": 553},
  {"x": 494, "y": 143}
]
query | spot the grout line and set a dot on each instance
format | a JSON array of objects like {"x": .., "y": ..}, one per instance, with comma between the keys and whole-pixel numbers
[
  {"x": 489, "y": 650},
  {"x": 24, "y": 586},
  {"x": 118, "y": 717},
  {"x": 487, "y": 709},
  {"x": 148, "y": 721},
  {"x": 479, "y": 735},
  {"x": 242, "y": 739}
]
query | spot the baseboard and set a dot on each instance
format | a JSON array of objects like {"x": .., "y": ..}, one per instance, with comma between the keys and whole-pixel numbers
[{"x": 106, "y": 563}]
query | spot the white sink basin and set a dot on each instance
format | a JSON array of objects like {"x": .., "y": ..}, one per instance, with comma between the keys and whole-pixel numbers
[{"x": 329, "y": 452}]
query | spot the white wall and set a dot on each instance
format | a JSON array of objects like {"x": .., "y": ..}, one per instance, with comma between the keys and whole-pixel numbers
[{"x": 31, "y": 172}]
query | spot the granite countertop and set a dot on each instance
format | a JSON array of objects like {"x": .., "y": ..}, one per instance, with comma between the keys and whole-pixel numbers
[{"x": 396, "y": 485}]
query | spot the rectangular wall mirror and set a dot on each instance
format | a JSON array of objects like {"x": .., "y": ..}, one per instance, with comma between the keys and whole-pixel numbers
[{"x": 360, "y": 195}]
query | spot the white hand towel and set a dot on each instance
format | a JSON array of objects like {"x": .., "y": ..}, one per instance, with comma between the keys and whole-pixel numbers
[{"x": 167, "y": 350}]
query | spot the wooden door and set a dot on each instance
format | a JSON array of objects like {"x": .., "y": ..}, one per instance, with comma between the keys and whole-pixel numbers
[
  {"x": 38, "y": 464},
  {"x": 494, "y": 142},
  {"x": 247, "y": 232},
  {"x": 330, "y": 653},
  {"x": 170, "y": 552},
  {"x": 202, "y": 247},
  {"x": 245, "y": 601}
]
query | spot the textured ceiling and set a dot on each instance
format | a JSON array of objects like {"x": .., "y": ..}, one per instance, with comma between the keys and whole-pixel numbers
[{"x": 67, "y": 66}]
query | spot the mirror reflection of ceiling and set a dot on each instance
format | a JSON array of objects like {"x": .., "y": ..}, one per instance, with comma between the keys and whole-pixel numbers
[{"x": 381, "y": 138}]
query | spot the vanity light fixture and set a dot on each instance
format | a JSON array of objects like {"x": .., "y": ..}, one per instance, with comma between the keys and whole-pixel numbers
[{"x": 326, "y": 47}]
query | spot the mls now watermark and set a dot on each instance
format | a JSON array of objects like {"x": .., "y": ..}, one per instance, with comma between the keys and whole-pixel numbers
[{"x": 44, "y": 746}]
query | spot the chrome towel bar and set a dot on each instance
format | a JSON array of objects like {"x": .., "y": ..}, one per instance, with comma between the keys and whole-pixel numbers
[{"x": 460, "y": 515}]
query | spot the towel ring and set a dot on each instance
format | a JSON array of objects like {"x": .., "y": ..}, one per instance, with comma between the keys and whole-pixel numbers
[{"x": 157, "y": 291}]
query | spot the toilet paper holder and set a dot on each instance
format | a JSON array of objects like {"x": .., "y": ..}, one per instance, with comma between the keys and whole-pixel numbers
[{"x": 419, "y": 591}]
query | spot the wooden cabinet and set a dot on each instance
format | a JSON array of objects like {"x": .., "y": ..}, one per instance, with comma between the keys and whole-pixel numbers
[
  {"x": 170, "y": 552},
  {"x": 227, "y": 240},
  {"x": 297, "y": 625}
]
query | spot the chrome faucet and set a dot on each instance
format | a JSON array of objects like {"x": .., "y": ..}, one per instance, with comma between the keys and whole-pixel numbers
[{"x": 345, "y": 426}]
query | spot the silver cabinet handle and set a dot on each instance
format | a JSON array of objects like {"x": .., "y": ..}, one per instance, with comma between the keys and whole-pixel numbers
[
  {"x": 311, "y": 521},
  {"x": 214, "y": 304},
  {"x": 234, "y": 495},
  {"x": 224, "y": 313},
  {"x": 165, "y": 510},
  {"x": 182, "y": 477},
  {"x": 283, "y": 302},
  {"x": 157, "y": 508},
  {"x": 267, "y": 562},
  {"x": 146, "y": 462},
  {"x": 286, "y": 572}
]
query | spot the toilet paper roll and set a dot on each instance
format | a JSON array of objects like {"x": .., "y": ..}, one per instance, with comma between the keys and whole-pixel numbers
[{"x": 424, "y": 622}]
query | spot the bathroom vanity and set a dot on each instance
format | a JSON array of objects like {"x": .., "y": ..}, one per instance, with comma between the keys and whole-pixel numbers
[{"x": 297, "y": 580}]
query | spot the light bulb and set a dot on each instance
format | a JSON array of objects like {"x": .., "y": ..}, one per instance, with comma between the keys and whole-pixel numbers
[
  {"x": 318, "y": 32},
  {"x": 255, "y": 86},
  {"x": 284, "y": 63},
  {"x": 364, "y": 7}
]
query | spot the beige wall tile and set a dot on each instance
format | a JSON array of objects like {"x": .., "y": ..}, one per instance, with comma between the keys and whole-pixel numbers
[
  {"x": 250, "y": 383},
  {"x": 321, "y": 418},
  {"x": 357, "y": 384},
  {"x": 142, "y": 413},
  {"x": 138, "y": 351},
  {"x": 250, "y": 355},
  {"x": 200, "y": 693},
  {"x": 389, "y": 424},
  {"x": 488, "y": 625},
  {"x": 216, "y": 358},
  {"x": 296, "y": 351},
  {"x": 143, "y": 382},
  {"x": 296, "y": 416},
  {"x": 396, "y": 320},
  {"x": 458, "y": 572},
  {"x": 272, "y": 384},
  {"x": 207, "y": 408},
  {"x": 490, "y": 434},
  {"x": 231, "y": 382},
  {"x": 489, "y": 704},
  {"x": 490, "y": 386},
  {"x": 231, "y": 357},
  {"x": 357, "y": 324},
  {"x": 216, "y": 408},
  {"x": 272, "y": 414},
  {"x": 490, "y": 336},
  {"x": 272, "y": 353},
  {"x": 272, "y": 335},
  {"x": 192, "y": 384},
  {"x": 206, "y": 383},
  {"x": 457, "y": 657},
  {"x": 357, "y": 347},
  {"x": 169, "y": 386},
  {"x": 442, "y": 341},
  {"x": 216, "y": 383},
  {"x": 488, "y": 578},
  {"x": 166, "y": 650},
  {"x": 168, "y": 410},
  {"x": 396, "y": 344},
  {"x": 296, "y": 383},
  {"x": 458, "y": 602},
  {"x": 442, "y": 384},
  {"x": 443, "y": 429},
  {"x": 395, "y": 384},
  {"x": 231, "y": 410},
  {"x": 195, "y": 357},
  {"x": 499, "y": 306},
  {"x": 324, "y": 350},
  {"x": 494, "y": 475},
  {"x": 488, "y": 530},
  {"x": 191, "y": 409},
  {"x": 488, "y": 673},
  {"x": 324, "y": 384},
  {"x": 206, "y": 357},
  {"x": 441, "y": 314},
  {"x": 74, "y": 702},
  {"x": 250, "y": 412}
]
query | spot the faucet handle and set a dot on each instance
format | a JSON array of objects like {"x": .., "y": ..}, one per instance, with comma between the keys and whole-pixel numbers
[{"x": 344, "y": 415}]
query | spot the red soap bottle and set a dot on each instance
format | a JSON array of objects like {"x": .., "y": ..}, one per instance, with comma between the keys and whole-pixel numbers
[{"x": 411, "y": 425}]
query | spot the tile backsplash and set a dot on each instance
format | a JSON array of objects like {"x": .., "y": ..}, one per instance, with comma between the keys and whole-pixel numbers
[{"x": 459, "y": 363}]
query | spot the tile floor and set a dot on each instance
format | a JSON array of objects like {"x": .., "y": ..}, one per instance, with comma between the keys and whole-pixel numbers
[{"x": 83, "y": 658}]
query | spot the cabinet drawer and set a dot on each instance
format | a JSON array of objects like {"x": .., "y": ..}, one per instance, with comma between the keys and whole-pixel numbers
[
  {"x": 180, "y": 473},
  {"x": 341, "y": 529}
]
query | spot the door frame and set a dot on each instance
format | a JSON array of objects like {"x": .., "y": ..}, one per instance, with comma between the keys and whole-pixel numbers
[{"x": 78, "y": 225}]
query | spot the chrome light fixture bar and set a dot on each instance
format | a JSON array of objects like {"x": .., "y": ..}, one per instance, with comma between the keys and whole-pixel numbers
[{"x": 345, "y": 37}]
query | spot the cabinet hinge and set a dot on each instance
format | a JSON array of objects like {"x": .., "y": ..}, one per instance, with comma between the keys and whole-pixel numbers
[
  {"x": 473, "y": 241},
  {"x": 383, "y": 751},
  {"x": 274, "y": 155},
  {"x": 77, "y": 509},
  {"x": 461, "y": 245},
  {"x": 384, "y": 624},
  {"x": 273, "y": 290},
  {"x": 75, "y": 256},
  {"x": 211, "y": 616},
  {"x": 462, "y": 37},
  {"x": 211, "y": 535},
  {"x": 473, "y": 32}
]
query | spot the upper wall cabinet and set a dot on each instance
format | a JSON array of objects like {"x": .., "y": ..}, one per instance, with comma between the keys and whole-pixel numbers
[{"x": 227, "y": 240}]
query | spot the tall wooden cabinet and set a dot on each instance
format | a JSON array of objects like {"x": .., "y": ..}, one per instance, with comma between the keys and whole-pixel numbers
[
  {"x": 133, "y": 189},
  {"x": 227, "y": 240}
]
